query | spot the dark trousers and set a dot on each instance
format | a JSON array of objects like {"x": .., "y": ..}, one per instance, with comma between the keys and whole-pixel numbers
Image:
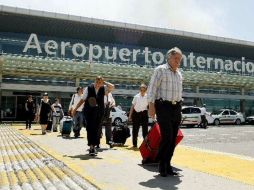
[
  {"x": 107, "y": 123},
  {"x": 169, "y": 119},
  {"x": 139, "y": 119},
  {"x": 93, "y": 119},
  {"x": 29, "y": 119}
]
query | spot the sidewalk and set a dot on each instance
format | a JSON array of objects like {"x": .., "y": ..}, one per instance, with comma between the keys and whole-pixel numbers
[{"x": 120, "y": 168}]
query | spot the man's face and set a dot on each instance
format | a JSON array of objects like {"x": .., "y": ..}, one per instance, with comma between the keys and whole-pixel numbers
[
  {"x": 99, "y": 82},
  {"x": 175, "y": 61}
]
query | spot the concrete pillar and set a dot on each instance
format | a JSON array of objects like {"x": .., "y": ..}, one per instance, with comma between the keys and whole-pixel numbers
[
  {"x": 242, "y": 91},
  {"x": 197, "y": 89},
  {"x": 242, "y": 106},
  {"x": 77, "y": 82}
]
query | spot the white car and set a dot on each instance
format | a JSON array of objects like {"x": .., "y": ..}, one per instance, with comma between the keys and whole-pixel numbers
[
  {"x": 227, "y": 116},
  {"x": 191, "y": 116},
  {"x": 250, "y": 120},
  {"x": 118, "y": 116}
]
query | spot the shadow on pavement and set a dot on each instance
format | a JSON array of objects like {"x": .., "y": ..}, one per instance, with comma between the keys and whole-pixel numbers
[
  {"x": 70, "y": 138},
  {"x": 165, "y": 183},
  {"x": 132, "y": 148},
  {"x": 83, "y": 157}
]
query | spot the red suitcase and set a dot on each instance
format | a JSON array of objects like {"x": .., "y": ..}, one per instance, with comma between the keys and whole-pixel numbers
[{"x": 149, "y": 147}]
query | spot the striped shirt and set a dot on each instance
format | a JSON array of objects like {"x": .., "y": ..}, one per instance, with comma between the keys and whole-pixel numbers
[{"x": 165, "y": 84}]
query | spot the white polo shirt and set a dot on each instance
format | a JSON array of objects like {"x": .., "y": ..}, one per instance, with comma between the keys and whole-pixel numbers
[{"x": 140, "y": 102}]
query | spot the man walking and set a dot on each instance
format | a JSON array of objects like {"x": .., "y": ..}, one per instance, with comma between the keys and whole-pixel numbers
[
  {"x": 94, "y": 109},
  {"x": 78, "y": 118},
  {"x": 165, "y": 100},
  {"x": 139, "y": 114}
]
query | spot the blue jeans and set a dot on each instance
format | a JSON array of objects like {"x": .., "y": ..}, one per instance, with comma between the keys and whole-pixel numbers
[{"x": 78, "y": 120}]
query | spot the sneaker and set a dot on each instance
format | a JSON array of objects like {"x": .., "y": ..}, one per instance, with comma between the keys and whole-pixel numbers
[
  {"x": 92, "y": 152},
  {"x": 98, "y": 146}
]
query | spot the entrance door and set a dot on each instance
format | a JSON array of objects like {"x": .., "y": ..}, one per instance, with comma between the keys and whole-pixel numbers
[{"x": 21, "y": 111}]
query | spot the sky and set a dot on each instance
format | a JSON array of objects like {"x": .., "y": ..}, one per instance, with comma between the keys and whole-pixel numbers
[{"x": 223, "y": 18}]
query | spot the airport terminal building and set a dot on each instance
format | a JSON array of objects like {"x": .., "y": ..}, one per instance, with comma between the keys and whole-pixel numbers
[{"x": 50, "y": 52}]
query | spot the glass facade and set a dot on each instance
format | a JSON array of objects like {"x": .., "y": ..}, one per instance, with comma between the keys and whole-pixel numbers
[{"x": 14, "y": 43}]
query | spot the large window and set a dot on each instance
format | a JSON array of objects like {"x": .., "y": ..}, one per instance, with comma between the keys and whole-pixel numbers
[{"x": 8, "y": 107}]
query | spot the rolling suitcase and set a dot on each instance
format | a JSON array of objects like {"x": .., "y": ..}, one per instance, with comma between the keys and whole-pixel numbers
[
  {"x": 66, "y": 125},
  {"x": 120, "y": 133},
  {"x": 150, "y": 146}
]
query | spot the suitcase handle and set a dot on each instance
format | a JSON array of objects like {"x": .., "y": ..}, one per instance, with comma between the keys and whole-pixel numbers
[{"x": 148, "y": 146}]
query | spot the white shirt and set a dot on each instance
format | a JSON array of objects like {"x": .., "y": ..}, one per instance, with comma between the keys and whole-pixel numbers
[
  {"x": 74, "y": 101},
  {"x": 165, "y": 84},
  {"x": 85, "y": 92},
  {"x": 111, "y": 101},
  {"x": 140, "y": 102}
]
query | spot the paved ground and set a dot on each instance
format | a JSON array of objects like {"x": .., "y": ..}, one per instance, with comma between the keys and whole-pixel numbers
[
  {"x": 24, "y": 165},
  {"x": 226, "y": 138},
  {"x": 119, "y": 168}
]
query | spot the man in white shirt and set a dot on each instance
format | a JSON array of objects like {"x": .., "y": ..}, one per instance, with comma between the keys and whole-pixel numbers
[
  {"x": 139, "y": 114},
  {"x": 78, "y": 118},
  {"x": 165, "y": 100}
]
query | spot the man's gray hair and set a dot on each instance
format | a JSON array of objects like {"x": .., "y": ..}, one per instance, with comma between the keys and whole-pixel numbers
[{"x": 173, "y": 51}]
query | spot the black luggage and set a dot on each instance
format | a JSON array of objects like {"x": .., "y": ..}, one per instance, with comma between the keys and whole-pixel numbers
[
  {"x": 120, "y": 134},
  {"x": 66, "y": 125}
]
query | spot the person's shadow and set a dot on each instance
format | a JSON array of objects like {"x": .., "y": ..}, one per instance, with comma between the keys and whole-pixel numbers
[
  {"x": 166, "y": 183},
  {"x": 84, "y": 157}
]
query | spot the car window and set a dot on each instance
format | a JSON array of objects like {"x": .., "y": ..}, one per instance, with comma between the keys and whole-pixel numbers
[
  {"x": 233, "y": 112},
  {"x": 113, "y": 110},
  {"x": 217, "y": 112},
  {"x": 196, "y": 110},
  {"x": 225, "y": 113},
  {"x": 186, "y": 110}
]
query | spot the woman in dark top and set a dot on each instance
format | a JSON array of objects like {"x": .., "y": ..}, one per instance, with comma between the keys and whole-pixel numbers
[
  {"x": 30, "y": 111},
  {"x": 44, "y": 112}
]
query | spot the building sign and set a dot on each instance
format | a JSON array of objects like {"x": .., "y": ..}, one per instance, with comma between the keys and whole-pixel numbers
[{"x": 95, "y": 52}]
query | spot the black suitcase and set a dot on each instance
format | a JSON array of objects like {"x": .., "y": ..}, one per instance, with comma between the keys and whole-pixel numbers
[
  {"x": 120, "y": 134},
  {"x": 66, "y": 125}
]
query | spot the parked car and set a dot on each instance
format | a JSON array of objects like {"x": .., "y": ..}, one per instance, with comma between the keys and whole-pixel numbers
[
  {"x": 250, "y": 120},
  {"x": 191, "y": 116},
  {"x": 118, "y": 116},
  {"x": 227, "y": 116}
]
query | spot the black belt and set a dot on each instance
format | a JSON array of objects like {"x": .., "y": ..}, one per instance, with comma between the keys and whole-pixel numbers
[{"x": 173, "y": 103}]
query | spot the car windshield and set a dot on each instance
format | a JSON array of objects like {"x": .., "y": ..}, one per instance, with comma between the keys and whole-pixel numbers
[{"x": 216, "y": 112}]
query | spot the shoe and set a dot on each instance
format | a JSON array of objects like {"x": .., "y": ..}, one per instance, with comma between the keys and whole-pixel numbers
[
  {"x": 170, "y": 171},
  {"x": 111, "y": 145},
  {"x": 162, "y": 169},
  {"x": 92, "y": 152},
  {"x": 98, "y": 147},
  {"x": 43, "y": 133}
]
